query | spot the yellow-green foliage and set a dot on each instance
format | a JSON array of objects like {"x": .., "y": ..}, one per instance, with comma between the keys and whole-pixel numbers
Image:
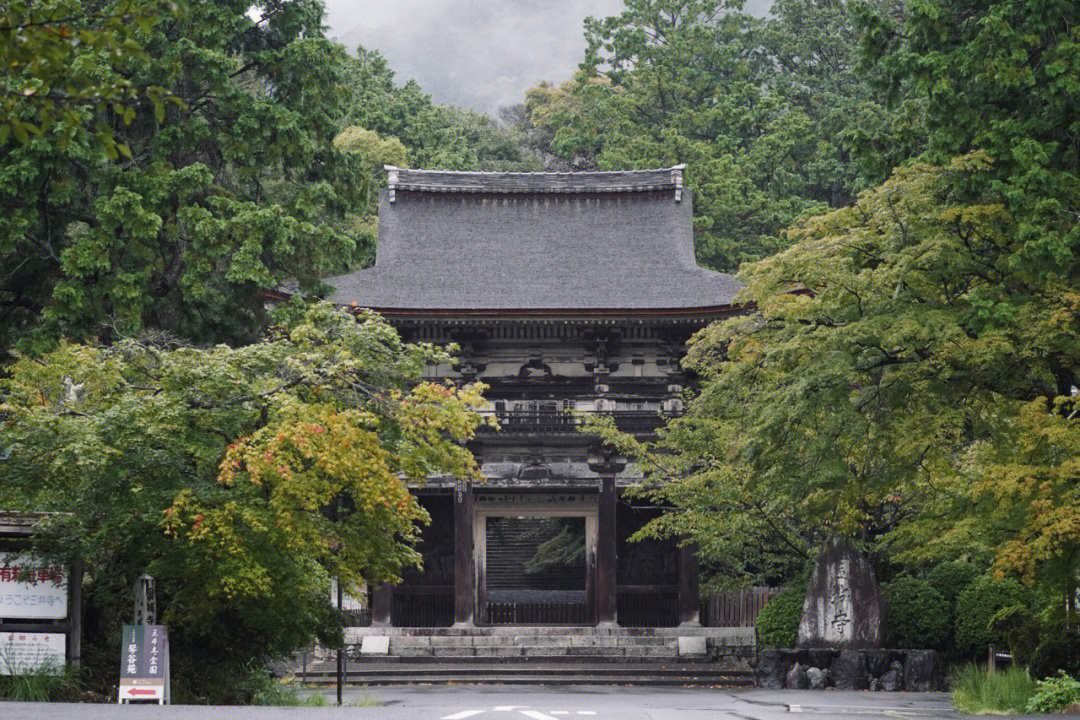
[
  {"x": 220, "y": 471},
  {"x": 375, "y": 150}
]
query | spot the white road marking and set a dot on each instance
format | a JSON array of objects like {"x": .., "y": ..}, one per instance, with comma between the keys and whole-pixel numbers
[
  {"x": 536, "y": 715},
  {"x": 509, "y": 708},
  {"x": 462, "y": 715},
  {"x": 794, "y": 708}
]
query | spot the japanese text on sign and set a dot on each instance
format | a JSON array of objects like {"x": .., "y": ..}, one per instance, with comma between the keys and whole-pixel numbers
[{"x": 30, "y": 591}]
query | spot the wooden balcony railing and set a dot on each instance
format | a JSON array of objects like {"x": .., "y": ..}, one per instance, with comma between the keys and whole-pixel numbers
[{"x": 541, "y": 421}]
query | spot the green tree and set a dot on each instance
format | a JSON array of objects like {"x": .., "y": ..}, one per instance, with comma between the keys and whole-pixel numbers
[
  {"x": 770, "y": 115},
  {"x": 374, "y": 153},
  {"x": 220, "y": 471},
  {"x": 436, "y": 136},
  {"x": 873, "y": 401},
  {"x": 228, "y": 196},
  {"x": 64, "y": 56}
]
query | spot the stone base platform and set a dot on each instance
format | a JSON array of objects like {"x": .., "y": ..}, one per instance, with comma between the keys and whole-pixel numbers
[
  {"x": 686, "y": 643},
  {"x": 544, "y": 655}
]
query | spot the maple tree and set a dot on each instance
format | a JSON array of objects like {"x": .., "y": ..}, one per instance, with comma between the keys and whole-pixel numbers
[{"x": 243, "y": 479}]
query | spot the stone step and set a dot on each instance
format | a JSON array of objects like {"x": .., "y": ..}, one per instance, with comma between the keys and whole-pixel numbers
[
  {"x": 569, "y": 661},
  {"x": 541, "y": 679},
  {"x": 636, "y": 673},
  {"x": 539, "y": 652},
  {"x": 530, "y": 641},
  {"x": 730, "y": 635}
]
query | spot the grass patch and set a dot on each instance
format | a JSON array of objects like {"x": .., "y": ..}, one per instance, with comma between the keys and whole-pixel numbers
[
  {"x": 281, "y": 694},
  {"x": 977, "y": 692},
  {"x": 365, "y": 700},
  {"x": 49, "y": 682}
]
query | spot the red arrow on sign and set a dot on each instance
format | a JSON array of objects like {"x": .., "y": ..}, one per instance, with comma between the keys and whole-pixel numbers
[{"x": 137, "y": 691}]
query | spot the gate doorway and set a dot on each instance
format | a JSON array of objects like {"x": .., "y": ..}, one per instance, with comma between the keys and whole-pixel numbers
[
  {"x": 536, "y": 559},
  {"x": 535, "y": 571}
]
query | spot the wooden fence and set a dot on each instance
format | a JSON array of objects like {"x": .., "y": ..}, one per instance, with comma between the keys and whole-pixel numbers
[
  {"x": 737, "y": 609},
  {"x": 423, "y": 606}
]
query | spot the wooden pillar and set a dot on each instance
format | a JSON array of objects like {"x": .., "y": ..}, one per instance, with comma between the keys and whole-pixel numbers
[
  {"x": 74, "y": 639},
  {"x": 464, "y": 567},
  {"x": 382, "y": 606},
  {"x": 606, "y": 608},
  {"x": 590, "y": 571},
  {"x": 689, "y": 601}
]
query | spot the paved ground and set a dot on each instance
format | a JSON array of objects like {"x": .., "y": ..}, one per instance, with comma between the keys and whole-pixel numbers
[{"x": 502, "y": 702}]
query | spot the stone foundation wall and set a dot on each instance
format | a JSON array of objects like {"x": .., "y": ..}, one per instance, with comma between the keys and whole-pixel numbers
[
  {"x": 888, "y": 670},
  {"x": 732, "y": 647}
]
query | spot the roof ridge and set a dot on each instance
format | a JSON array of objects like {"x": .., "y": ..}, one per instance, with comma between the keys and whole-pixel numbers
[
  {"x": 430, "y": 171},
  {"x": 510, "y": 182}
]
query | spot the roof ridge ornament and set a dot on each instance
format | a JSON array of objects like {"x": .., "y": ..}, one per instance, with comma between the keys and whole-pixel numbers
[
  {"x": 677, "y": 178},
  {"x": 391, "y": 182}
]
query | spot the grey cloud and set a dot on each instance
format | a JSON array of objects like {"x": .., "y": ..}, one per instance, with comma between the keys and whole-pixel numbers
[{"x": 480, "y": 54}]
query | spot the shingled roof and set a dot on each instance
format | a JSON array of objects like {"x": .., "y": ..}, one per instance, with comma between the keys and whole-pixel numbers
[{"x": 535, "y": 242}]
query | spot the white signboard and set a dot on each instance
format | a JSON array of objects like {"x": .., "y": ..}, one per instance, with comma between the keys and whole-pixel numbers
[
  {"x": 21, "y": 653},
  {"x": 40, "y": 595}
]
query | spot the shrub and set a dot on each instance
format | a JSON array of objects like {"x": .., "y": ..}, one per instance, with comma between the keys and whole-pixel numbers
[
  {"x": 778, "y": 621},
  {"x": 976, "y": 607},
  {"x": 1057, "y": 652},
  {"x": 1054, "y": 694},
  {"x": 1021, "y": 631},
  {"x": 950, "y": 579},
  {"x": 977, "y": 691},
  {"x": 917, "y": 616}
]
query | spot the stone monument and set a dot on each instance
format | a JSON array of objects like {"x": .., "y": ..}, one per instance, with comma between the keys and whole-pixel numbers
[{"x": 843, "y": 608}]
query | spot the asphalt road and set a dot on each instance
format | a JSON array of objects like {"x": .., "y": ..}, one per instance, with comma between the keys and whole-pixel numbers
[{"x": 506, "y": 702}]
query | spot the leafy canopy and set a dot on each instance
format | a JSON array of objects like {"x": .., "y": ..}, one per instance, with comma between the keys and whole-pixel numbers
[
  {"x": 232, "y": 193},
  {"x": 770, "y": 115},
  {"x": 241, "y": 478},
  {"x": 54, "y": 54}
]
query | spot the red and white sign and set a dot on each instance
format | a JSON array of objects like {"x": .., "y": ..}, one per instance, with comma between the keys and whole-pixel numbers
[
  {"x": 29, "y": 591},
  {"x": 142, "y": 689}
]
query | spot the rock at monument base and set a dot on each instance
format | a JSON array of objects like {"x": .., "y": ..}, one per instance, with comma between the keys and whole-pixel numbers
[
  {"x": 772, "y": 667},
  {"x": 819, "y": 658},
  {"x": 796, "y": 678},
  {"x": 849, "y": 671},
  {"x": 877, "y": 662},
  {"x": 922, "y": 671},
  {"x": 893, "y": 680},
  {"x": 818, "y": 678},
  {"x": 843, "y": 607}
]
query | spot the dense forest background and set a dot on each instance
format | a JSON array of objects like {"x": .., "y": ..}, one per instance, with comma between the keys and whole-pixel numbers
[
  {"x": 262, "y": 169},
  {"x": 911, "y": 169}
]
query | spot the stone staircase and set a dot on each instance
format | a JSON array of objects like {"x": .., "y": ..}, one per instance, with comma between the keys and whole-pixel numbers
[{"x": 544, "y": 655}]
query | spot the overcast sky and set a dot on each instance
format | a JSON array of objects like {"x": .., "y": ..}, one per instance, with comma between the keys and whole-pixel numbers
[{"x": 481, "y": 54}]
